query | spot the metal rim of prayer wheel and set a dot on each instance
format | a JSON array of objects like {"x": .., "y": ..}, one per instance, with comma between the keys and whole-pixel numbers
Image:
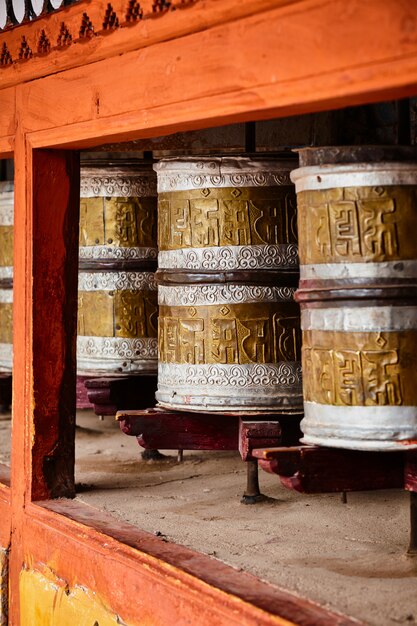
[
  {"x": 117, "y": 325},
  {"x": 6, "y": 275},
  {"x": 229, "y": 337},
  {"x": 357, "y": 218}
]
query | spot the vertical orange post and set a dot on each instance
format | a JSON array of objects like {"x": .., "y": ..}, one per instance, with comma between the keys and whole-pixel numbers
[{"x": 45, "y": 291}]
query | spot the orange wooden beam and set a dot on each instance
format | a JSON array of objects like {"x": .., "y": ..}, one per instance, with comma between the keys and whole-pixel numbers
[
  {"x": 67, "y": 48},
  {"x": 299, "y": 58},
  {"x": 146, "y": 580}
]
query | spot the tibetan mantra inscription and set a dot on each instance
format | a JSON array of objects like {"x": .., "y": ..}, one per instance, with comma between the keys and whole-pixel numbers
[
  {"x": 229, "y": 329},
  {"x": 117, "y": 295},
  {"x": 359, "y": 375},
  {"x": 357, "y": 222}
]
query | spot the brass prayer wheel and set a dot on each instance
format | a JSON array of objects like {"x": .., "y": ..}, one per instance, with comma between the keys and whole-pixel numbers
[
  {"x": 229, "y": 329},
  {"x": 358, "y": 296},
  {"x": 6, "y": 275},
  {"x": 357, "y": 216},
  {"x": 117, "y": 293}
]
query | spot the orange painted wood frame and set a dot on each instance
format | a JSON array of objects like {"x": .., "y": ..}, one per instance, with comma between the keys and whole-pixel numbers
[{"x": 208, "y": 63}]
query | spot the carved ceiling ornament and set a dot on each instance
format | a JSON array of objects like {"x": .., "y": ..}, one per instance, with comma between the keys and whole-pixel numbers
[{"x": 60, "y": 35}]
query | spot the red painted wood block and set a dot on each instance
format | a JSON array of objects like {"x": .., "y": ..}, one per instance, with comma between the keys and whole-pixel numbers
[
  {"x": 109, "y": 395},
  {"x": 314, "y": 469}
]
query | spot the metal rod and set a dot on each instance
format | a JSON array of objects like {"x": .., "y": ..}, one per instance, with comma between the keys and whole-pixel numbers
[
  {"x": 180, "y": 456},
  {"x": 252, "y": 493},
  {"x": 412, "y": 548},
  {"x": 250, "y": 137}
]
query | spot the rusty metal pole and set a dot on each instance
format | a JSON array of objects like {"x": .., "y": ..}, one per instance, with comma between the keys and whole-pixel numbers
[{"x": 252, "y": 493}]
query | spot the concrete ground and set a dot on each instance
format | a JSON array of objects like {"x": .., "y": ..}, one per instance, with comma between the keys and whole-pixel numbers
[{"x": 350, "y": 557}]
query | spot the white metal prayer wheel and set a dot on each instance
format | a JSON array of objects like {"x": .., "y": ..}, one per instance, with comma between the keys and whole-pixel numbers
[
  {"x": 229, "y": 331},
  {"x": 117, "y": 293},
  {"x": 358, "y": 296},
  {"x": 6, "y": 275}
]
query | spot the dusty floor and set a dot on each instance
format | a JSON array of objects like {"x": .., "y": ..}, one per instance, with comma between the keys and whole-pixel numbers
[{"x": 349, "y": 556}]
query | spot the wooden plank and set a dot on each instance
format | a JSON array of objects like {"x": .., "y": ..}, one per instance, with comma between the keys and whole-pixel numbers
[
  {"x": 268, "y": 77},
  {"x": 7, "y": 121},
  {"x": 312, "y": 469},
  {"x": 132, "y": 571},
  {"x": 66, "y": 48}
]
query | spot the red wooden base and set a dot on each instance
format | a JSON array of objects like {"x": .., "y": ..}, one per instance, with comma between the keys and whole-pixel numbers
[
  {"x": 109, "y": 395},
  {"x": 313, "y": 469},
  {"x": 175, "y": 430}
]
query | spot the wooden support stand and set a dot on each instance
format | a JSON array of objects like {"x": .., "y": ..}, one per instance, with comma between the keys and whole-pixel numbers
[
  {"x": 106, "y": 396},
  {"x": 175, "y": 430},
  {"x": 314, "y": 469},
  {"x": 109, "y": 395}
]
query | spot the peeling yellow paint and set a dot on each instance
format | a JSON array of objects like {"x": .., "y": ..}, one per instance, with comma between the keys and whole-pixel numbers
[{"x": 48, "y": 602}]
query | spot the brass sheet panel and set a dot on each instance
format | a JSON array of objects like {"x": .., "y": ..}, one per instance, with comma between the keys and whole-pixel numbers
[
  {"x": 233, "y": 333},
  {"x": 136, "y": 313},
  {"x": 357, "y": 224},
  {"x": 360, "y": 368},
  {"x": 6, "y": 246},
  {"x": 96, "y": 313},
  {"x": 117, "y": 313},
  {"x": 92, "y": 221},
  {"x": 119, "y": 222},
  {"x": 228, "y": 216},
  {"x": 6, "y": 322}
]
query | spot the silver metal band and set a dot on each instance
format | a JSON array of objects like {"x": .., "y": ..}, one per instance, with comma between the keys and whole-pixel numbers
[
  {"x": 117, "y": 182},
  {"x": 116, "y": 354},
  {"x": 195, "y": 295},
  {"x": 335, "y": 271},
  {"x": 199, "y": 172},
  {"x": 6, "y": 271},
  {"x": 6, "y": 357},
  {"x": 360, "y": 427},
  {"x": 6, "y": 205},
  {"x": 230, "y": 387},
  {"x": 360, "y": 319},
  {"x": 354, "y": 175},
  {"x": 117, "y": 253},
  {"x": 113, "y": 281},
  {"x": 6, "y": 296},
  {"x": 278, "y": 256}
]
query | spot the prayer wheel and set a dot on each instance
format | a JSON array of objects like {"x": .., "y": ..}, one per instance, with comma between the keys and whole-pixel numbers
[
  {"x": 357, "y": 216},
  {"x": 6, "y": 276},
  {"x": 117, "y": 293},
  {"x": 357, "y": 212},
  {"x": 229, "y": 328}
]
